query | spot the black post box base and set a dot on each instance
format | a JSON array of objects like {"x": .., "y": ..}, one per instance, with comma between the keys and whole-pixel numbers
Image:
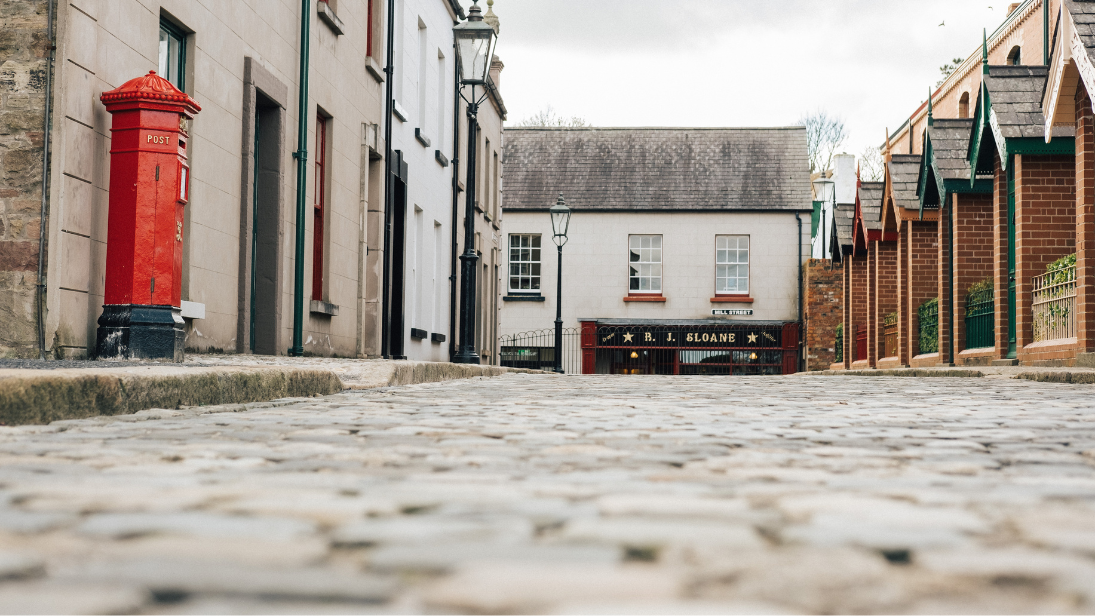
[{"x": 130, "y": 331}]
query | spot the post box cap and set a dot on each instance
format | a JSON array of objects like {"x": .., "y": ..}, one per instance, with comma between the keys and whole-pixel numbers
[{"x": 150, "y": 89}]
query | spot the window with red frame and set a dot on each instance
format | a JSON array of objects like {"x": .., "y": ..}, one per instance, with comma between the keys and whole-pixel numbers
[
  {"x": 369, "y": 30},
  {"x": 320, "y": 207}
]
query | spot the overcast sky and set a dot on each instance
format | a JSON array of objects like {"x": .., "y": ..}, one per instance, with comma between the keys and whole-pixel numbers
[{"x": 734, "y": 62}]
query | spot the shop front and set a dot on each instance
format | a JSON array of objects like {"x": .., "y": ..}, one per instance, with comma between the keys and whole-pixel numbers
[{"x": 699, "y": 347}]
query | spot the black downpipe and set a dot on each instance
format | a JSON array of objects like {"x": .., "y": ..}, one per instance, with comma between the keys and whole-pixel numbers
[
  {"x": 801, "y": 323},
  {"x": 455, "y": 205},
  {"x": 297, "y": 350},
  {"x": 40, "y": 287},
  {"x": 389, "y": 71},
  {"x": 950, "y": 279}
]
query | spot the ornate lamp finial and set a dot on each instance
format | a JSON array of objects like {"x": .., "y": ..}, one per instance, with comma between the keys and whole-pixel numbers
[{"x": 491, "y": 18}]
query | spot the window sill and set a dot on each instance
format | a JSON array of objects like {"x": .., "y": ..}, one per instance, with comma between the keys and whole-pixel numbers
[
  {"x": 421, "y": 137},
  {"x": 327, "y": 16},
  {"x": 318, "y": 307},
  {"x": 437, "y": 338},
  {"x": 646, "y": 298},
  {"x": 440, "y": 158},
  {"x": 399, "y": 111},
  {"x": 524, "y": 298},
  {"x": 732, "y": 299},
  {"x": 419, "y": 334},
  {"x": 374, "y": 69}
]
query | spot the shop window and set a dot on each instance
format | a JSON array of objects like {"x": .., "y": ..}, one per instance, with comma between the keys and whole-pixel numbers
[
  {"x": 732, "y": 265},
  {"x": 172, "y": 65},
  {"x": 524, "y": 263},
  {"x": 645, "y": 263}
]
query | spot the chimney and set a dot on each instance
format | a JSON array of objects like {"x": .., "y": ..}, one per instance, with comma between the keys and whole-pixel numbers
[
  {"x": 1012, "y": 7},
  {"x": 496, "y": 67},
  {"x": 844, "y": 177}
]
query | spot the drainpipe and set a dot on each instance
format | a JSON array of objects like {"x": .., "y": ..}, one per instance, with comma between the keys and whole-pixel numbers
[
  {"x": 950, "y": 278},
  {"x": 40, "y": 287},
  {"x": 1045, "y": 32},
  {"x": 801, "y": 324},
  {"x": 455, "y": 205},
  {"x": 389, "y": 96},
  {"x": 297, "y": 350}
]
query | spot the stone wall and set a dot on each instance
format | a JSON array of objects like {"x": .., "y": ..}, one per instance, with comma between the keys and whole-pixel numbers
[
  {"x": 824, "y": 311},
  {"x": 24, "y": 58}
]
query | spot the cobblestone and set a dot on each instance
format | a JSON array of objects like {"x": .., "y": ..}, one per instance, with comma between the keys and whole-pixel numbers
[{"x": 535, "y": 493}]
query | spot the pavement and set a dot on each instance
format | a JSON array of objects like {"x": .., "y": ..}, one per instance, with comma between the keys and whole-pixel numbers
[
  {"x": 533, "y": 493},
  {"x": 38, "y": 392}
]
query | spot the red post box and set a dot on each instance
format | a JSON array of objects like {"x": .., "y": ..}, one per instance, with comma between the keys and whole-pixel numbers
[{"x": 149, "y": 187}]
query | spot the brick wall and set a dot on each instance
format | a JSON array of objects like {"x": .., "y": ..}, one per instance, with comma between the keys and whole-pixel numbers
[
  {"x": 1045, "y": 226},
  {"x": 973, "y": 254},
  {"x": 884, "y": 255},
  {"x": 23, "y": 64},
  {"x": 873, "y": 323},
  {"x": 849, "y": 341},
  {"x": 824, "y": 311},
  {"x": 902, "y": 293},
  {"x": 944, "y": 232},
  {"x": 1085, "y": 222},
  {"x": 922, "y": 253}
]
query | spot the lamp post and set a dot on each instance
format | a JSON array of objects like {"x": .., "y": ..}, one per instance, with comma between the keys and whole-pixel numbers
[
  {"x": 475, "y": 41},
  {"x": 560, "y": 222},
  {"x": 825, "y": 191}
]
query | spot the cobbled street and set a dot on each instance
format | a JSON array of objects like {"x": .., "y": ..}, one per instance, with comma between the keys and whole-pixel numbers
[{"x": 538, "y": 493}]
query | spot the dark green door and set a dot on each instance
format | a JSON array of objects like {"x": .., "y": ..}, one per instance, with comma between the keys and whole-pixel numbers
[{"x": 1011, "y": 259}]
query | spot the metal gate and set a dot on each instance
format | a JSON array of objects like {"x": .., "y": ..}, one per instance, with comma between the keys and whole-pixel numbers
[{"x": 535, "y": 350}]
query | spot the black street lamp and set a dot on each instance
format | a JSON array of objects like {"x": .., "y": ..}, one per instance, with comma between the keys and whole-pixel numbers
[
  {"x": 475, "y": 40},
  {"x": 560, "y": 222}
]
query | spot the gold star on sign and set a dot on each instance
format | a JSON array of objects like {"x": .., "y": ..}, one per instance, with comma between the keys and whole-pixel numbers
[
  {"x": 628, "y": 337},
  {"x": 752, "y": 338}
]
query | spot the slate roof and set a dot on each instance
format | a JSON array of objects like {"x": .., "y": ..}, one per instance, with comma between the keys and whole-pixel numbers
[
  {"x": 657, "y": 169},
  {"x": 904, "y": 172},
  {"x": 950, "y": 142},
  {"x": 870, "y": 203},
  {"x": 1083, "y": 15},
  {"x": 843, "y": 217},
  {"x": 1015, "y": 93}
]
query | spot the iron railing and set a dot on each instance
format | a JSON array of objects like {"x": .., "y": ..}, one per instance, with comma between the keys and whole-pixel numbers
[
  {"x": 839, "y": 343},
  {"x": 890, "y": 330},
  {"x": 928, "y": 322},
  {"x": 535, "y": 350},
  {"x": 981, "y": 319},
  {"x": 1053, "y": 305}
]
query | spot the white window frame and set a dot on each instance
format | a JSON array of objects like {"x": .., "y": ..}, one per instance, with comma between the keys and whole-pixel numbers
[
  {"x": 730, "y": 256},
  {"x": 644, "y": 264},
  {"x": 534, "y": 264}
]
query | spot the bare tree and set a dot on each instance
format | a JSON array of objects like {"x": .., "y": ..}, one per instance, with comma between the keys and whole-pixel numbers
[
  {"x": 547, "y": 117},
  {"x": 824, "y": 136},
  {"x": 871, "y": 166}
]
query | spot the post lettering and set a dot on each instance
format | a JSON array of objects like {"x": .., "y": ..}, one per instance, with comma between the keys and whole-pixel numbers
[{"x": 159, "y": 140}]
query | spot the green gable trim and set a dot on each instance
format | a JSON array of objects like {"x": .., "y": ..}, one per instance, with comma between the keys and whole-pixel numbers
[
  {"x": 1060, "y": 146},
  {"x": 944, "y": 188},
  {"x": 980, "y": 125}
]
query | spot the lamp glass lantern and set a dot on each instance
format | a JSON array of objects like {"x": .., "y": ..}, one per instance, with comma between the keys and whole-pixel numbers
[
  {"x": 475, "y": 41},
  {"x": 824, "y": 190},
  {"x": 560, "y": 221}
]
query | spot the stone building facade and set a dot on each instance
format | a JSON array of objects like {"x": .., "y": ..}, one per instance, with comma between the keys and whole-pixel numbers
[
  {"x": 25, "y": 60},
  {"x": 242, "y": 66}
]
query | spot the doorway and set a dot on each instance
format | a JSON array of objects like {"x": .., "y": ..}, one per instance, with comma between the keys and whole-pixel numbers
[
  {"x": 265, "y": 222},
  {"x": 397, "y": 303}
]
